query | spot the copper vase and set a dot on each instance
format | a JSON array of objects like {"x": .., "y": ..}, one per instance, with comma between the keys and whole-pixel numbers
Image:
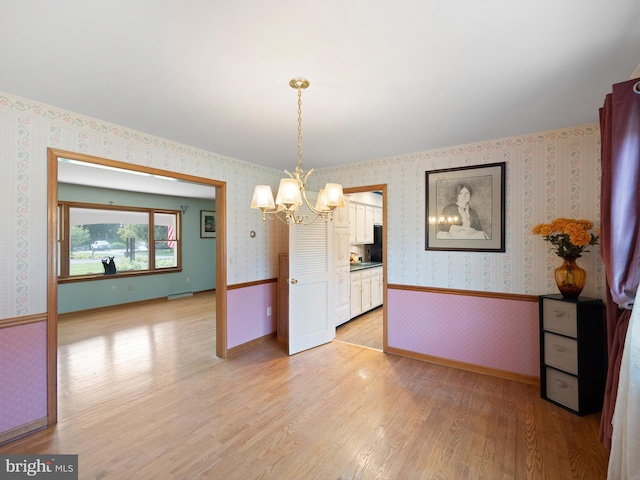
[{"x": 570, "y": 278}]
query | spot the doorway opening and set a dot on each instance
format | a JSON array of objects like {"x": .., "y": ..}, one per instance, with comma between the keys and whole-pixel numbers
[
  {"x": 367, "y": 326},
  {"x": 54, "y": 157}
]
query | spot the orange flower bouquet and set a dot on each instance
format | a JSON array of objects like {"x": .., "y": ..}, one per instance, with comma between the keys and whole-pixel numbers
[{"x": 569, "y": 237}]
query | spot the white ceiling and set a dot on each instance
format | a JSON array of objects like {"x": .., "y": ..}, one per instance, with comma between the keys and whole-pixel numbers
[
  {"x": 92, "y": 175},
  {"x": 388, "y": 77}
]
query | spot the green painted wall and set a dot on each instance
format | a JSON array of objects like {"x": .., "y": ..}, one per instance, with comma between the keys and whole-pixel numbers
[{"x": 198, "y": 254}]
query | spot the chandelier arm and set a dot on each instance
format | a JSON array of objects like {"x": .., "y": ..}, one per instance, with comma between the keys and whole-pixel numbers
[
  {"x": 308, "y": 204},
  {"x": 279, "y": 217},
  {"x": 289, "y": 200},
  {"x": 316, "y": 218},
  {"x": 312, "y": 208},
  {"x": 327, "y": 216},
  {"x": 293, "y": 218},
  {"x": 303, "y": 219},
  {"x": 274, "y": 212},
  {"x": 303, "y": 190},
  {"x": 306, "y": 176}
]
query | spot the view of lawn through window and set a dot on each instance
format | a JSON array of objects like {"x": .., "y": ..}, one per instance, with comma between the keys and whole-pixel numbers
[{"x": 96, "y": 233}]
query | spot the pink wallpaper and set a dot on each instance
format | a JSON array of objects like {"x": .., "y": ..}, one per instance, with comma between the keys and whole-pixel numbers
[
  {"x": 23, "y": 375},
  {"x": 495, "y": 333},
  {"x": 247, "y": 313}
]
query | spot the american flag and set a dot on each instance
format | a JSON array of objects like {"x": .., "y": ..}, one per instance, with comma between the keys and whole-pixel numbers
[{"x": 171, "y": 236}]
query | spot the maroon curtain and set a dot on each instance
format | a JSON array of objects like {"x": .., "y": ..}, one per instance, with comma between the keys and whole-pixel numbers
[{"x": 620, "y": 226}]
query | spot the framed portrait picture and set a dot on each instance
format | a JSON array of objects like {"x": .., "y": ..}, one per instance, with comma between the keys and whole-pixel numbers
[
  {"x": 207, "y": 224},
  {"x": 465, "y": 208}
]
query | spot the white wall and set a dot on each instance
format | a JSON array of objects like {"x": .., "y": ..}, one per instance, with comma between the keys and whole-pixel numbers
[
  {"x": 548, "y": 174},
  {"x": 28, "y": 128}
]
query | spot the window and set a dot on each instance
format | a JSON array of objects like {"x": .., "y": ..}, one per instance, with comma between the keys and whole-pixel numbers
[{"x": 140, "y": 240}]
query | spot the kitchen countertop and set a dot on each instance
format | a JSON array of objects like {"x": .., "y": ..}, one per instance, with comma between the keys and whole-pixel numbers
[{"x": 364, "y": 265}]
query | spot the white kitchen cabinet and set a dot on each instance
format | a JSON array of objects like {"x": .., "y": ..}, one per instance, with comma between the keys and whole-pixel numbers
[
  {"x": 342, "y": 294},
  {"x": 341, "y": 280},
  {"x": 341, "y": 242},
  {"x": 366, "y": 290},
  {"x": 368, "y": 224},
  {"x": 341, "y": 216},
  {"x": 352, "y": 222},
  {"x": 377, "y": 215},
  {"x": 376, "y": 287},
  {"x": 361, "y": 223},
  {"x": 356, "y": 294}
]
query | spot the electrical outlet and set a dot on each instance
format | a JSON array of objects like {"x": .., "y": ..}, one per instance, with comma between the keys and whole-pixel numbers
[
  {"x": 188, "y": 279},
  {"x": 113, "y": 289},
  {"x": 130, "y": 287},
  {"x": 268, "y": 311}
]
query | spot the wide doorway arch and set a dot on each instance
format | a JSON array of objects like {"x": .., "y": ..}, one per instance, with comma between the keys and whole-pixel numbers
[{"x": 53, "y": 156}]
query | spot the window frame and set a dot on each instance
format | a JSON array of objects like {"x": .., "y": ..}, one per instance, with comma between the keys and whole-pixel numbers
[{"x": 64, "y": 241}]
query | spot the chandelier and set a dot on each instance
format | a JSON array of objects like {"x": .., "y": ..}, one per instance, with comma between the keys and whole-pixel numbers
[{"x": 293, "y": 190}]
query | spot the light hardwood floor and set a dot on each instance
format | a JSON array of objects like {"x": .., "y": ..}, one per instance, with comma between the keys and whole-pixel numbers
[
  {"x": 142, "y": 396},
  {"x": 364, "y": 330}
]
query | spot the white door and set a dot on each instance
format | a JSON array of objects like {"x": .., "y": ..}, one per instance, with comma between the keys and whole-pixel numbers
[{"x": 311, "y": 305}]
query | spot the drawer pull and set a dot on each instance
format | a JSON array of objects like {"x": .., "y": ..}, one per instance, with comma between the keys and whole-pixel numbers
[
  {"x": 559, "y": 313},
  {"x": 559, "y": 348},
  {"x": 561, "y": 384}
]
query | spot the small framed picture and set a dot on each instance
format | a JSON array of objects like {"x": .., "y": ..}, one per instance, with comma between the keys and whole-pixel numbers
[
  {"x": 465, "y": 208},
  {"x": 207, "y": 224}
]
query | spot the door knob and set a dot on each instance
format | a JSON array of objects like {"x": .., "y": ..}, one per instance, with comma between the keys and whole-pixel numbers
[{"x": 294, "y": 281}]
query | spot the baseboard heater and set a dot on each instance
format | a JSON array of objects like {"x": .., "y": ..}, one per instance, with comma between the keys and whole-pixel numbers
[{"x": 173, "y": 296}]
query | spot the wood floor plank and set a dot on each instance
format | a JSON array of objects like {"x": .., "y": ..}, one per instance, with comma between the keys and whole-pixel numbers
[
  {"x": 142, "y": 396},
  {"x": 364, "y": 330}
]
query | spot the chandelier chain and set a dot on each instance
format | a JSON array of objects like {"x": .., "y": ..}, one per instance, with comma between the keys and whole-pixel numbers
[{"x": 299, "y": 129}]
